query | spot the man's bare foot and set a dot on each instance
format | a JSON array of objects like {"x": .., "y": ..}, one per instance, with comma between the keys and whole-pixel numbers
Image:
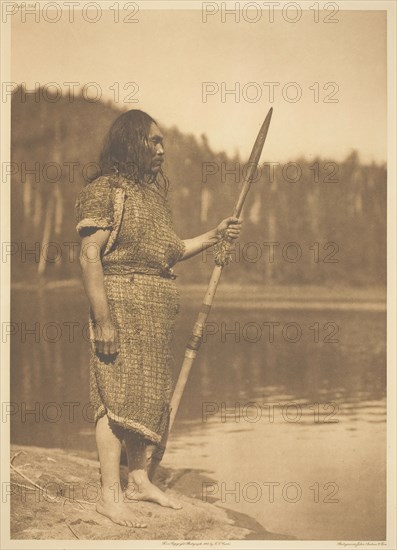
[
  {"x": 141, "y": 488},
  {"x": 119, "y": 513}
]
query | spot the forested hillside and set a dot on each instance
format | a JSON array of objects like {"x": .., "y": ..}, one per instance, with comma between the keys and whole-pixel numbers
[{"x": 333, "y": 214}]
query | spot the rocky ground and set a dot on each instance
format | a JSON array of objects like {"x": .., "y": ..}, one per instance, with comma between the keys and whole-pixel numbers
[{"x": 54, "y": 494}]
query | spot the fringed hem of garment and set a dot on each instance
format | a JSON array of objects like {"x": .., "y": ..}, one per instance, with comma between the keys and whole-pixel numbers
[{"x": 128, "y": 424}]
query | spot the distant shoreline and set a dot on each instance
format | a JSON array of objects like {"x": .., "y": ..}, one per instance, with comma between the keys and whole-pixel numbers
[{"x": 306, "y": 297}]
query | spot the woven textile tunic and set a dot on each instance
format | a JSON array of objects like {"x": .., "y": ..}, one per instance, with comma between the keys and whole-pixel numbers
[{"x": 134, "y": 387}]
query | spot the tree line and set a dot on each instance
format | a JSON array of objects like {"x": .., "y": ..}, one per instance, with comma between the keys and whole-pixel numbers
[{"x": 307, "y": 221}]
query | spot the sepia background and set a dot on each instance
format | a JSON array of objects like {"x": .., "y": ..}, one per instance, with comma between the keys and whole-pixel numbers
[{"x": 334, "y": 213}]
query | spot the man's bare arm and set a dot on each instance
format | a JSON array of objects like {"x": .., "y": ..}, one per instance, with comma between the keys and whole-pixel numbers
[
  {"x": 92, "y": 247},
  {"x": 229, "y": 226}
]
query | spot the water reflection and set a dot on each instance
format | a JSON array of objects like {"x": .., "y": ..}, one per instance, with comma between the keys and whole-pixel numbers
[
  {"x": 50, "y": 364},
  {"x": 322, "y": 382},
  {"x": 350, "y": 372}
]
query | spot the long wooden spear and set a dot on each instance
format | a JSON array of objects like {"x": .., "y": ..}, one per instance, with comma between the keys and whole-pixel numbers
[{"x": 197, "y": 334}]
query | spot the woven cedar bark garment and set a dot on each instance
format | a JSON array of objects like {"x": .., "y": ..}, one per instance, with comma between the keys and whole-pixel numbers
[{"x": 134, "y": 388}]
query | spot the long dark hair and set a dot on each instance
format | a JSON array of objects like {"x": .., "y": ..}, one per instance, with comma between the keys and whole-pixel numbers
[{"x": 126, "y": 148}]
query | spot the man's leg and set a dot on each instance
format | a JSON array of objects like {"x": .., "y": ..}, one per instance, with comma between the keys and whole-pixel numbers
[
  {"x": 139, "y": 485},
  {"x": 109, "y": 449}
]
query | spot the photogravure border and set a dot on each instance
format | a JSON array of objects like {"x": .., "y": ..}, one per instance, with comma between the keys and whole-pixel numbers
[{"x": 390, "y": 7}]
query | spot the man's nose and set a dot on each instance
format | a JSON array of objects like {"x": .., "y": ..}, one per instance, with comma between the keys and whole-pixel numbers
[{"x": 160, "y": 149}]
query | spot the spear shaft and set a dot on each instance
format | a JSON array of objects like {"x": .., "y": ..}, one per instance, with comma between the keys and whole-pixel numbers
[
  {"x": 196, "y": 338},
  {"x": 197, "y": 333}
]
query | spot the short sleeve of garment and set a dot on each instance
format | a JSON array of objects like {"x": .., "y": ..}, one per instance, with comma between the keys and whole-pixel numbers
[{"x": 94, "y": 207}]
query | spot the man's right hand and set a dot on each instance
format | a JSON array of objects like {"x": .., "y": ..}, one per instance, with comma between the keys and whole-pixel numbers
[{"x": 106, "y": 338}]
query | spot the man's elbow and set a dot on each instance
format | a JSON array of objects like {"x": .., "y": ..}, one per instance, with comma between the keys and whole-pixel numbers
[
  {"x": 82, "y": 260},
  {"x": 85, "y": 261}
]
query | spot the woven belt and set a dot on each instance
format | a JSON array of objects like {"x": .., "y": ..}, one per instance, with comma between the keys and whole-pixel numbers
[{"x": 166, "y": 272}]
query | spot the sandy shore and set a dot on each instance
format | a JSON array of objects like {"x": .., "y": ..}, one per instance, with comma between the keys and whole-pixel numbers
[
  {"x": 255, "y": 296},
  {"x": 54, "y": 494}
]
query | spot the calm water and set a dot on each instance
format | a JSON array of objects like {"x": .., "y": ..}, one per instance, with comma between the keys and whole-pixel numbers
[{"x": 293, "y": 433}]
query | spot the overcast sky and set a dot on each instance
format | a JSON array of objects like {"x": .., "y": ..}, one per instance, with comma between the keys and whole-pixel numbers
[{"x": 169, "y": 54}]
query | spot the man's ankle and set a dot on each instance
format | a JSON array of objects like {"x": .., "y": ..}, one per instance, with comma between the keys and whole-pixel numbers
[
  {"x": 111, "y": 493},
  {"x": 137, "y": 478}
]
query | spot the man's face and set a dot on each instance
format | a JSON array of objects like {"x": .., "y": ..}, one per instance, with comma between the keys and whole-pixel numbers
[{"x": 156, "y": 150}]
